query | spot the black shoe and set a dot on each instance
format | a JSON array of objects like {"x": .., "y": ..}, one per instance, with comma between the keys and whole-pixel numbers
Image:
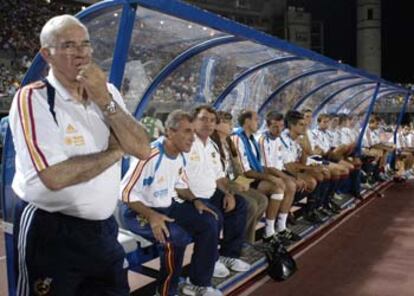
[
  {"x": 291, "y": 219},
  {"x": 327, "y": 212},
  {"x": 271, "y": 240},
  {"x": 313, "y": 217},
  {"x": 320, "y": 213},
  {"x": 288, "y": 235},
  {"x": 357, "y": 195},
  {"x": 333, "y": 207}
]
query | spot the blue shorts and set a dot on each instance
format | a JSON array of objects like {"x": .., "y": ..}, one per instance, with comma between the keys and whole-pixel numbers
[{"x": 64, "y": 255}]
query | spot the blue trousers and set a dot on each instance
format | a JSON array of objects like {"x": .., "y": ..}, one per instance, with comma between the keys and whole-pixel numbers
[
  {"x": 202, "y": 228},
  {"x": 64, "y": 255},
  {"x": 233, "y": 223}
]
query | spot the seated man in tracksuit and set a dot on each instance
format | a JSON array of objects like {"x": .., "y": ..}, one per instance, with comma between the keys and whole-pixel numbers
[
  {"x": 149, "y": 210},
  {"x": 298, "y": 163},
  {"x": 330, "y": 145},
  {"x": 275, "y": 155},
  {"x": 375, "y": 148},
  {"x": 267, "y": 179},
  {"x": 205, "y": 177},
  {"x": 404, "y": 154}
]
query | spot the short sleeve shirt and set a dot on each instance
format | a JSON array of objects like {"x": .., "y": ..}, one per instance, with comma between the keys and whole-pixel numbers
[
  {"x": 41, "y": 142},
  {"x": 291, "y": 150},
  {"x": 371, "y": 138},
  {"x": 203, "y": 169},
  {"x": 152, "y": 181},
  {"x": 320, "y": 138},
  {"x": 272, "y": 151}
]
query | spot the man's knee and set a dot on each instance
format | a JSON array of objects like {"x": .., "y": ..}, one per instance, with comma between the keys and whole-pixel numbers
[
  {"x": 241, "y": 204},
  {"x": 311, "y": 184},
  {"x": 290, "y": 186},
  {"x": 178, "y": 236}
]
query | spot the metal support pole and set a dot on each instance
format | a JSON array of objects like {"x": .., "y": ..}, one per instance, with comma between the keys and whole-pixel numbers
[
  {"x": 120, "y": 56},
  {"x": 366, "y": 120},
  {"x": 400, "y": 116}
]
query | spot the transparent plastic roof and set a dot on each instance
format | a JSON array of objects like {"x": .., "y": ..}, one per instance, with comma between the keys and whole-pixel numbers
[{"x": 176, "y": 56}]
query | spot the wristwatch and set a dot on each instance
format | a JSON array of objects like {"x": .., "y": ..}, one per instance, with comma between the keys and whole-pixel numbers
[{"x": 110, "y": 108}]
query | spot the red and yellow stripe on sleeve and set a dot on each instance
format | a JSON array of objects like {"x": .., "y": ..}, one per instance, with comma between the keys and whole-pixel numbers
[
  {"x": 136, "y": 174},
  {"x": 25, "y": 109}
]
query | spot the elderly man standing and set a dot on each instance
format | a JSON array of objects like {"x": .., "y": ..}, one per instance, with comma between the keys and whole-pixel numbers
[{"x": 70, "y": 132}]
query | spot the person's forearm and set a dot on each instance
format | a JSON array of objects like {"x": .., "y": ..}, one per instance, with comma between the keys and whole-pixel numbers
[
  {"x": 223, "y": 184},
  {"x": 130, "y": 134},
  {"x": 185, "y": 194},
  {"x": 256, "y": 175},
  {"x": 273, "y": 171},
  {"x": 78, "y": 169}
]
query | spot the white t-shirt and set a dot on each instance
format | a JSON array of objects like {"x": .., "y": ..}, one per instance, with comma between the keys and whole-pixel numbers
[
  {"x": 320, "y": 138},
  {"x": 272, "y": 151},
  {"x": 152, "y": 181},
  {"x": 40, "y": 143},
  {"x": 203, "y": 169},
  {"x": 347, "y": 136},
  {"x": 291, "y": 150},
  {"x": 371, "y": 138}
]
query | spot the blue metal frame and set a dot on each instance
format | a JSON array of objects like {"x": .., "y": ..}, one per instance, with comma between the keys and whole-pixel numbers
[
  {"x": 400, "y": 116},
  {"x": 248, "y": 72},
  {"x": 367, "y": 115},
  {"x": 331, "y": 96},
  {"x": 175, "y": 63},
  {"x": 289, "y": 82},
  {"x": 387, "y": 93},
  {"x": 120, "y": 55},
  {"x": 356, "y": 95},
  {"x": 321, "y": 86}
]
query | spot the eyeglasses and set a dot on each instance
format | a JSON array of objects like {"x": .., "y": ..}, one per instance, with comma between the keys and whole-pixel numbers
[{"x": 71, "y": 47}]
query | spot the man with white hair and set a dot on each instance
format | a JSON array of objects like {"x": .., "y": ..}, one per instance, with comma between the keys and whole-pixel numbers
[{"x": 70, "y": 131}]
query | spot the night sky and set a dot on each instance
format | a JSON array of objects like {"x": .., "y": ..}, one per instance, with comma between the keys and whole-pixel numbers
[{"x": 339, "y": 17}]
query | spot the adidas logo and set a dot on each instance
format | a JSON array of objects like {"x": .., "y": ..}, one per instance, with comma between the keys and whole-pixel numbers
[{"x": 70, "y": 129}]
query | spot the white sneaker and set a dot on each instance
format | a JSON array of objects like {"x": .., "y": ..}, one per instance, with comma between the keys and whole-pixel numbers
[
  {"x": 235, "y": 264},
  {"x": 366, "y": 185},
  {"x": 192, "y": 290},
  {"x": 338, "y": 196},
  {"x": 220, "y": 270}
]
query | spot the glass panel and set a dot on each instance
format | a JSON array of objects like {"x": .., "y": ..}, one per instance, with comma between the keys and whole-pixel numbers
[
  {"x": 348, "y": 94},
  {"x": 286, "y": 99},
  {"x": 103, "y": 30},
  {"x": 347, "y": 106},
  {"x": 390, "y": 103},
  {"x": 156, "y": 40},
  {"x": 254, "y": 91},
  {"x": 314, "y": 101},
  {"x": 202, "y": 78}
]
